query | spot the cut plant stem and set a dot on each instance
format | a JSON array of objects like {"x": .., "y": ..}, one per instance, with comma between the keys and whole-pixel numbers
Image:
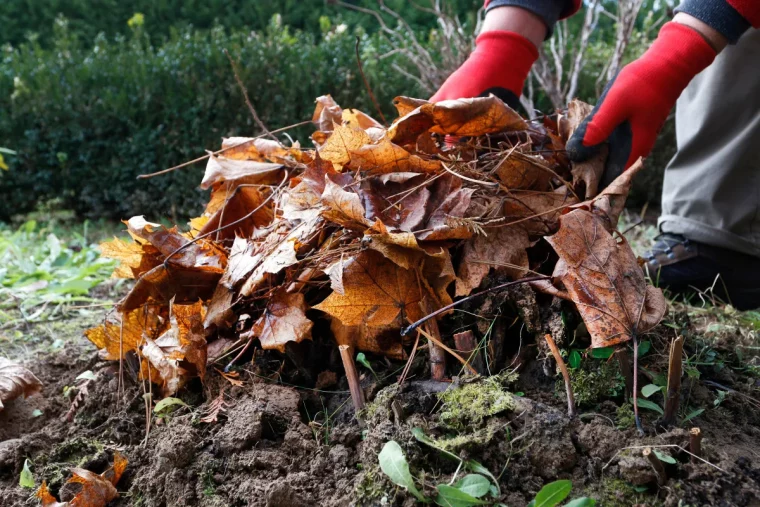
[
  {"x": 437, "y": 354},
  {"x": 659, "y": 468},
  {"x": 624, "y": 361},
  {"x": 357, "y": 394},
  {"x": 674, "y": 382},
  {"x": 467, "y": 345},
  {"x": 695, "y": 444},
  {"x": 565, "y": 375},
  {"x": 636, "y": 417}
]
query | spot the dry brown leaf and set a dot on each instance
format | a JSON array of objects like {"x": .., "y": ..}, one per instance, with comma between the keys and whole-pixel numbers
[
  {"x": 590, "y": 171},
  {"x": 386, "y": 157},
  {"x": 605, "y": 281},
  {"x": 283, "y": 321},
  {"x": 220, "y": 169},
  {"x": 448, "y": 202},
  {"x": 523, "y": 172},
  {"x": 378, "y": 293},
  {"x": 341, "y": 143},
  {"x": 537, "y": 212},
  {"x": 342, "y": 206},
  {"x": 611, "y": 202},
  {"x": 16, "y": 381},
  {"x": 239, "y": 202},
  {"x": 503, "y": 250},
  {"x": 475, "y": 117},
  {"x": 95, "y": 490},
  {"x": 377, "y": 340},
  {"x": 247, "y": 148},
  {"x": 180, "y": 352},
  {"x": 114, "y": 339},
  {"x": 327, "y": 113},
  {"x": 134, "y": 258}
]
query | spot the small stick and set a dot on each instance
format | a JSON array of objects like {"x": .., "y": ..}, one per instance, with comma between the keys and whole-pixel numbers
[
  {"x": 218, "y": 152},
  {"x": 405, "y": 331},
  {"x": 659, "y": 468},
  {"x": 695, "y": 444},
  {"x": 432, "y": 339},
  {"x": 437, "y": 354},
  {"x": 248, "y": 100},
  {"x": 357, "y": 394},
  {"x": 674, "y": 382},
  {"x": 467, "y": 345},
  {"x": 636, "y": 417},
  {"x": 366, "y": 83},
  {"x": 569, "y": 388},
  {"x": 624, "y": 361}
]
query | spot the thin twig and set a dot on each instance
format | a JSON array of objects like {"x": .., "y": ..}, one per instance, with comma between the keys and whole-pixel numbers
[
  {"x": 674, "y": 382},
  {"x": 565, "y": 375},
  {"x": 445, "y": 347},
  {"x": 354, "y": 385},
  {"x": 247, "y": 99},
  {"x": 405, "y": 331},
  {"x": 231, "y": 224},
  {"x": 366, "y": 83},
  {"x": 636, "y": 385},
  {"x": 217, "y": 152}
]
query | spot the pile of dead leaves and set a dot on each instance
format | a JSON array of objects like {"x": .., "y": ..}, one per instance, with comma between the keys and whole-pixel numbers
[{"x": 374, "y": 229}]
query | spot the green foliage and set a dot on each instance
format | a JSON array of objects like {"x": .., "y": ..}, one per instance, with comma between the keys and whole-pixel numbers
[
  {"x": 39, "y": 271},
  {"x": 86, "y": 121},
  {"x": 22, "y": 19},
  {"x": 393, "y": 464},
  {"x": 555, "y": 492},
  {"x": 26, "y": 479}
]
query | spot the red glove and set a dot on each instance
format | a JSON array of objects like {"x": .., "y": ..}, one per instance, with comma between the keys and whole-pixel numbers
[
  {"x": 499, "y": 65},
  {"x": 636, "y": 103}
]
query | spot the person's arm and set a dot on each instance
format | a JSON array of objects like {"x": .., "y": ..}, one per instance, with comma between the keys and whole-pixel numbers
[
  {"x": 636, "y": 103},
  {"x": 505, "y": 49}
]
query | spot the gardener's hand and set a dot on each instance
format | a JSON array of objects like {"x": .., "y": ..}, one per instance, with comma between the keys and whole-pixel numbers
[
  {"x": 505, "y": 52},
  {"x": 636, "y": 103}
]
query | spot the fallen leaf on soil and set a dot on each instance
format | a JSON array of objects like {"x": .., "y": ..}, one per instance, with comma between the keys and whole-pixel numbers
[
  {"x": 283, "y": 321},
  {"x": 15, "y": 381},
  {"x": 605, "y": 281},
  {"x": 96, "y": 490}
]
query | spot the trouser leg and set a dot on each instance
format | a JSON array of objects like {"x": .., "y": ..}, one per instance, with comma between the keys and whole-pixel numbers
[{"x": 711, "y": 192}]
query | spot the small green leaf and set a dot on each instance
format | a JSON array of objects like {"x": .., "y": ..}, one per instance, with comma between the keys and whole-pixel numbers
[
  {"x": 474, "y": 466},
  {"x": 692, "y": 415},
  {"x": 449, "y": 496},
  {"x": 649, "y": 389},
  {"x": 665, "y": 458},
  {"x": 575, "y": 359},
  {"x": 362, "y": 359},
  {"x": 602, "y": 352},
  {"x": 87, "y": 375},
  {"x": 644, "y": 347},
  {"x": 166, "y": 403},
  {"x": 393, "y": 464},
  {"x": 640, "y": 489},
  {"x": 584, "y": 501},
  {"x": 553, "y": 493},
  {"x": 650, "y": 405},
  {"x": 420, "y": 436},
  {"x": 36, "y": 412},
  {"x": 473, "y": 484},
  {"x": 27, "y": 479}
]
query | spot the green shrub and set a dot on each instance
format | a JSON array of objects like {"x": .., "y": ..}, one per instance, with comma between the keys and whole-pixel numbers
[{"x": 86, "y": 121}]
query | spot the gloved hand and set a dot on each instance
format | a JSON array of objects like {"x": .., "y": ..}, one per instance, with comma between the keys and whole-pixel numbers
[
  {"x": 499, "y": 65},
  {"x": 636, "y": 103}
]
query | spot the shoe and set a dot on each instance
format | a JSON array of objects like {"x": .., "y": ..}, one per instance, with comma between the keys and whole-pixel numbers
[{"x": 681, "y": 265}]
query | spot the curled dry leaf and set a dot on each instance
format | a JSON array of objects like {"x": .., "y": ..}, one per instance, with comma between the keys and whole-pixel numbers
[
  {"x": 94, "y": 490},
  {"x": 605, "y": 281},
  {"x": 124, "y": 331},
  {"x": 15, "y": 381},
  {"x": 283, "y": 321},
  {"x": 503, "y": 250}
]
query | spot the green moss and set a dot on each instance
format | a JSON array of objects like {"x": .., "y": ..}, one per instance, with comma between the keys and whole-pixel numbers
[
  {"x": 594, "y": 382},
  {"x": 381, "y": 405},
  {"x": 618, "y": 493},
  {"x": 624, "y": 416},
  {"x": 470, "y": 404},
  {"x": 370, "y": 487},
  {"x": 478, "y": 438},
  {"x": 55, "y": 466}
]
